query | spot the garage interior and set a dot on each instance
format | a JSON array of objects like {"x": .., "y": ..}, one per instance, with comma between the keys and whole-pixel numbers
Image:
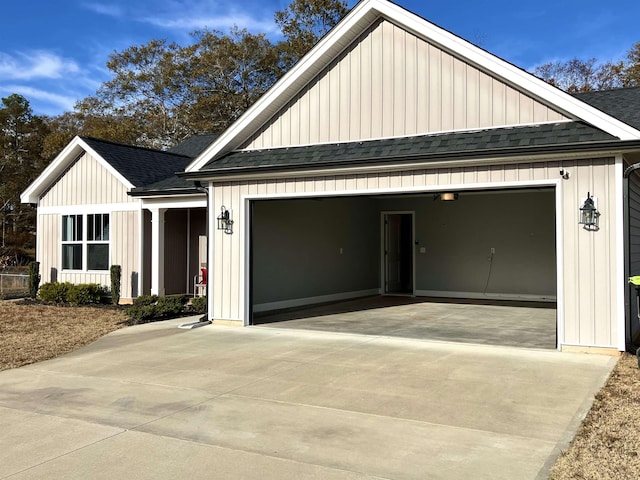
[{"x": 474, "y": 266}]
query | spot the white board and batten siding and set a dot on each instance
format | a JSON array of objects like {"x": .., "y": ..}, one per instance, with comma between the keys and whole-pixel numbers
[
  {"x": 88, "y": 187},
  {"x": 392, "y": 83},
  {"x": 587, "y": 296}
]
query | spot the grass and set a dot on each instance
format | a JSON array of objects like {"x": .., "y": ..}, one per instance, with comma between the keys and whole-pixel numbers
[
  {"x": 607, "y": 445},
  {"x": 33, "y": 333}
]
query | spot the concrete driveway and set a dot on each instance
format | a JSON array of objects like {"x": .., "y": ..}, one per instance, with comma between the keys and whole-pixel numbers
[{"x": 221, "y": 402}]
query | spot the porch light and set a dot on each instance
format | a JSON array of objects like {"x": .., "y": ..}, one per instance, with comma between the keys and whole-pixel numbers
[
  {"x": 446, "y": 196},
  {"x": 589, "y": 215},
  {"x": 224, "y": 221}
]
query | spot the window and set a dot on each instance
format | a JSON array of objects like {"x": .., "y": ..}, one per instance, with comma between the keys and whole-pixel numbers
[{"x": 85, "y": 250}]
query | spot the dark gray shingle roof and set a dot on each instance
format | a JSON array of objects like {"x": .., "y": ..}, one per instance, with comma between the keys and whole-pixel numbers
[
  {"x": 141, "y": 166},
  {"x": 621, "y": 103},
  {"x": 420, "y": 147},
  {"x": 194, "y": 146}
]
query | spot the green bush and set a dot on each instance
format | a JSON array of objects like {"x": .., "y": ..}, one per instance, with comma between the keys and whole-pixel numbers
[
  {"x": 171, "y": 306},
  {"x": 55, "y": 292},
  {"x": 34, "y": 279},
  {"x": 84, "y": 294},
  {"x": 148, "y": 308},
  {"x": 199, "y": 305},
  {"x": 116, "y": 275}
]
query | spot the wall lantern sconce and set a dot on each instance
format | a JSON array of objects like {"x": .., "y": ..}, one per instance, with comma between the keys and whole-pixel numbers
[
  {"x": 224, "y": 221},
  {"x": 446, "y": 196},
  {"x": 589, "y": 214}
]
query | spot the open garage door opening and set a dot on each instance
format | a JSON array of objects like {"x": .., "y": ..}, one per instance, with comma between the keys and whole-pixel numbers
[{"x": 480, "y": 269}]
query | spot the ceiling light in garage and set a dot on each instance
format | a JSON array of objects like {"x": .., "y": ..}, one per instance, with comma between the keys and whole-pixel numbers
[{"x": 446, "y": 196}]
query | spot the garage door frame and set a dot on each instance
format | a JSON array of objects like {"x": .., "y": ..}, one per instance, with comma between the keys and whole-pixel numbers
[{"x": 247, "y": 199}]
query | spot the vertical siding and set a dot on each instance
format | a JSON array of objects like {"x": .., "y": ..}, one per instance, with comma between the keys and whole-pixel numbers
[
  {"x": 48, "y": 249},
  {"x": 589, "y": 292},
  {"x": 86, "y": 182},
  {"x": 125, "y": 251},
  {"x": 391, "y": 83}
]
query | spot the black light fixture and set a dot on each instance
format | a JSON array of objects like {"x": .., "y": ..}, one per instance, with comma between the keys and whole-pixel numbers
[
  {"x": 589, "y": 215},
  {"x": 224, "y": 221},
  {"x": 446, "y": 196}
]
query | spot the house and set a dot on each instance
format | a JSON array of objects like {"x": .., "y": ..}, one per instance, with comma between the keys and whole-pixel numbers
[
  {"x": 396, "y": 158},
  {"x": 101, "y": 203}
]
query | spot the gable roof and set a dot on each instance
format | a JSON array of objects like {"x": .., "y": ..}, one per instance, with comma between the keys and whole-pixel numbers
[
  {"x": 135, "y": 167},
  {"x": 621, "y": 103},
  {"x": 493, "y": 142},
  {"x": 363, "y": 15},
  {"x": 140, "y": 166},
  {"x": 195, "y": 145}
]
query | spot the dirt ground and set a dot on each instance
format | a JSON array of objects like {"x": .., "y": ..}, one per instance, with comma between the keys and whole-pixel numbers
[
  {"x": 32, "y": 333},
  {"x": 607, "y": 445}
]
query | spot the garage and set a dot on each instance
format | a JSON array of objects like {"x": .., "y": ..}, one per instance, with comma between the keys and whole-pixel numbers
[{"x": 472, "y": 266}]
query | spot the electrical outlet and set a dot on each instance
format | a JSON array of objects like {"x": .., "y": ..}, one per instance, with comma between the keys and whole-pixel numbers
[{"x": 493, "y": 250}]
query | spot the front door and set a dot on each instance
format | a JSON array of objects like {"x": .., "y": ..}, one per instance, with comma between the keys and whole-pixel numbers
[{"x": 398, "y": 253}]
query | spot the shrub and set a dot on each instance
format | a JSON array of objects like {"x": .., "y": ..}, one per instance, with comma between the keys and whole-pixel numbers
[
  {"x": 66, "y": 292},
  {"x": 171, "y": 306},
  {"x": 84, "y": 294},
  {"x": 143, "y": 308},
  {"x": 199, "y": 305},
  {"x": 34, "y": 279},
  {"x": 116, "y": 275},
  {"x": 149, "y": 307},
  {"x": 55, "y": 292}
]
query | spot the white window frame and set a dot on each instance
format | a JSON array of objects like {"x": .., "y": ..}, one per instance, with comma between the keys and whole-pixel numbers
[{"x": 85, "y": 242}]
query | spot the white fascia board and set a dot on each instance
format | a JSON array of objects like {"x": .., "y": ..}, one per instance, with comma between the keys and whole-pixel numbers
[
  {"x": 187, "y": 201},
  {"x": 363, "y": 13},
  {"x": 59, "y": 164}
]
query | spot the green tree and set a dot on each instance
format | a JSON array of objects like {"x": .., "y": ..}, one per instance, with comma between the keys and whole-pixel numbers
[
  {"x": 21, "y": 139},
  {"x": 631, "y": 72},
  {"x": 578, "y": 75},
  {"x": 303, "y": 23}
]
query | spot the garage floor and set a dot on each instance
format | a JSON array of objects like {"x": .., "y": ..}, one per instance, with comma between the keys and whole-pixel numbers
[{"x": 519, "y": 324}]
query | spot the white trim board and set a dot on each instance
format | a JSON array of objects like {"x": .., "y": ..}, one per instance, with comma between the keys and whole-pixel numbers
[
  {"x": 301, "y": 302},
  {"x": 487, "y": 296},
  {"x": 90, "y": 208}
]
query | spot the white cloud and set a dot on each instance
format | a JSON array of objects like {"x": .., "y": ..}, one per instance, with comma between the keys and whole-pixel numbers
[
  {"x": 110, "y": 10},
  {"x": 42, "y": 101},
  {"x": 35, "y": 64},
  {"x": 221, "y": 15}
]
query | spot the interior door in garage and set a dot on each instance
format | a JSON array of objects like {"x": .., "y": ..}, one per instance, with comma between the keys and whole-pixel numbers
[{"x": 398, "y": 253}]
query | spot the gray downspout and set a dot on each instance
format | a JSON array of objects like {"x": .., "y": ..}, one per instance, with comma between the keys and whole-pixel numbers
[{"x": 204, "y": 320}]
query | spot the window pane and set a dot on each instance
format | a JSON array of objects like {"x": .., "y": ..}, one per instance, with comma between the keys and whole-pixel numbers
[
  {"x": 98, "y": 227},
  {"x": 72, "y": 257},
  {"x": 98, "y": 257},
  {"x": 71, "y": 228},
  {"x": 90, "y": 227},
  {"x": 105, "y": 227}
]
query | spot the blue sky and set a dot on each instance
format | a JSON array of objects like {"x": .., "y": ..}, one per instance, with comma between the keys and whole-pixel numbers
[{"x": 54, "y": 52}]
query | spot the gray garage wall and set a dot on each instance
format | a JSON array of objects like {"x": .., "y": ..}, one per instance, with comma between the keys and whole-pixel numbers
[
  {"x": 458, "y": 236},
  {"x": 296, "y": 249}
]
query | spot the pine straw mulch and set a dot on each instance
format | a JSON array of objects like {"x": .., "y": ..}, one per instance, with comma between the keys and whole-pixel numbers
[
  {"x": 607, "y": 445},
  {"x": 34, "y": 332}
]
